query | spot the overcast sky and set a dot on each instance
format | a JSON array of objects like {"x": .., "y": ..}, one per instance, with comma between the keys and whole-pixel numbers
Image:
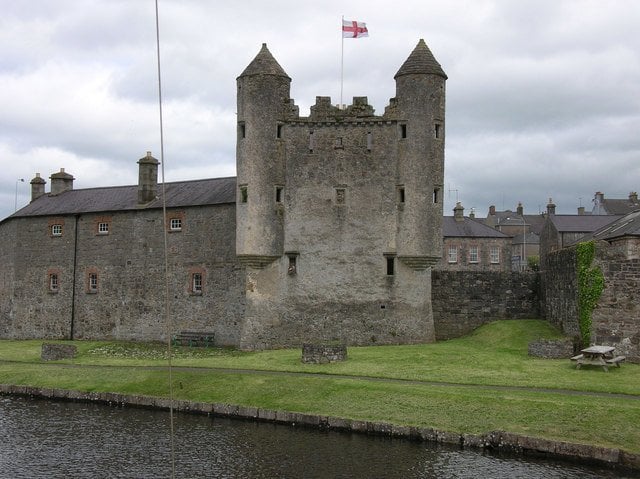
[{"x": 543, "y": 97}]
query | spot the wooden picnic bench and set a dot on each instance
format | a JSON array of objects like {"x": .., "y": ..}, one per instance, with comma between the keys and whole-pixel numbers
[
  {"x": 194, "y": 339},
  {"x": 598, "y": 356}
]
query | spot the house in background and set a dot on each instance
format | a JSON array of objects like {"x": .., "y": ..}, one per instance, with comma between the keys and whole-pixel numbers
[
  {"x": 470, "y": 245},
  {"x": 604, "y": 206}
]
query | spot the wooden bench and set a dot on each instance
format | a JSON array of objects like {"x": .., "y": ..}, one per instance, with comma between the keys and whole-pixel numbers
[
  {"x": 200, "y": 339},
  {"x": 617, "y": 360},
  {"x": 579, "y": 356}
]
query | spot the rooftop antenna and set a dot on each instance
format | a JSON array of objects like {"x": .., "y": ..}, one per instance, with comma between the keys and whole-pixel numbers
[{"x": 451, "y": 191}]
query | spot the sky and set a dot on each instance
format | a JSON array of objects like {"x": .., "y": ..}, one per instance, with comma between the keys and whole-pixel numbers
[{"x": 543, "y": 97}]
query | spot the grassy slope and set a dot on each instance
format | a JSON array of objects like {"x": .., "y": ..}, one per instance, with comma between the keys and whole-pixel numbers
[{"x": 494, "y": 355}]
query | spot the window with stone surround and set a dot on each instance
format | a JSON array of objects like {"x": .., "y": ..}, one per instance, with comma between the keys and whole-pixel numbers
[
  {"x": 244, "y": 193},
  {"x": 175, "y": 221},
  {"x": 473, "y": 254},
  {"x": 56, "y": 230},
  {"x": 56, "y": 227},
  {"x": 176, "y": 224},
  {"x": 453, "y": 254},
  {"x": 102, "y": 225},
  {"x": 494, "y": 254},
  {"x": 53, "y": 280},
  {"x": 196, "y": 281},
  {"x": 91, "y": 281}
]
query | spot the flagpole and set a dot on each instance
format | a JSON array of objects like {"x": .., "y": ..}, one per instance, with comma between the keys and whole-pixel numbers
[{"x": 341, "y": 61}]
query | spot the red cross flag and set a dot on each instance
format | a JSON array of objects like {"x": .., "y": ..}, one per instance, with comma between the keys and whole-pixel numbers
[{"x": 352, "y": 29}]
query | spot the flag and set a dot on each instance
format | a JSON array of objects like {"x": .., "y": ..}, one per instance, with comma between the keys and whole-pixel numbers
[{"x": 353, "y": 29}]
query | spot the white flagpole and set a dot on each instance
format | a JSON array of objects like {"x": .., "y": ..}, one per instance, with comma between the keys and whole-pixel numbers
[{"x": 341, "y": 61}]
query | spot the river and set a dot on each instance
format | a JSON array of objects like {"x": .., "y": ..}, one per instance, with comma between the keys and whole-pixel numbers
[{"x": 49, "y": 439}]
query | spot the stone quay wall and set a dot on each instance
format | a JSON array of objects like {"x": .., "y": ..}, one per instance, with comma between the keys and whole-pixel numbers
[
  {"x": 495, "y": 440},
  {"x": 465, "y": 300}
]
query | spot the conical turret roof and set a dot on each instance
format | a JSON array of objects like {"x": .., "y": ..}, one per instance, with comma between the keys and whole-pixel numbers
[
  {"x": 264, "y": 64},
  {"x": 421, "y": 61}
]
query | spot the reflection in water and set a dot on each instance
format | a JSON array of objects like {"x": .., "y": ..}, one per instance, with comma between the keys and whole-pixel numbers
[{"x": 41, "y": 439}]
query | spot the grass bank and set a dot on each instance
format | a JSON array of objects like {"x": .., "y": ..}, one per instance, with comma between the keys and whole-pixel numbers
[{"x": 475, "y": 370}]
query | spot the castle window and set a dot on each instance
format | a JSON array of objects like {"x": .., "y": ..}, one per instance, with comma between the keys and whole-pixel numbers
[
  {"x": 338, "y": 143},
  {"x": 279, "y": 131},
  {"x": 196, "y": 283},
  {"x": 279, "y": 192},
  {"x": 403, "y": 130},
  {"x": 244, "y": 194},
  {"x": 92, "y": 282},
  {"x": 369, "y": 141},
  {"x": 400, "y": 194},
  {"x": 390, "y": 265},
  {"x": 437, "y": 130},
  {"x": 54, "y": 283},
  {"x": 56, "y": 230},
  {"x": 176, "y": 224},
  {"x": 340, "y": 196},
  {"x": 293, "y": 263},
  {"x": 241, "y": 130},
  {"x": 494, "y": 254},
  {"x": 436, "y": 196},
  {"x": 453, "y": 254},
  {"x": 473, "y": 254},
  {"x": 311, "y": 141}
]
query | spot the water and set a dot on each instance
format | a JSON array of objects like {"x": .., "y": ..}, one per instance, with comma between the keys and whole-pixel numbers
[{"x": 45, "y": 439}]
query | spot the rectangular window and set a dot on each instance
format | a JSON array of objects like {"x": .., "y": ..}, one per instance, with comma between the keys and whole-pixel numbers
[
  {"x": 311, "y": 141},
  {"x": 196, "y": 283},
  {"x": 244, "y": 194},
  {"x": 369, "y": 141},
  {"x": 495, "y": 255},
  {"x": 436, "y": 196},
  {"x": 176, "y": 224},
  {"x": 293, "y": 264},
  {"x": 403, "y": 131},
  {"x": 279, "y": 192},
  {"x": 390, "y": 265},
  {"x": 241, "y": 130},
  {"x": 473, "y": 254},
  {"x": 437, "y": 130},
  {"x": 53, "y": 282},
  {"x": 401, "y": 196},
  {"x": 93, "y": 282},
  {"x": 279, "y": 131},
  {"x": 338, "y": 143},
  {"x": 103, "y": 228},
  {"x": 453, "y": 254},
  {"x": 340, "y": 196},
  {"x": 56, "y": 230}
]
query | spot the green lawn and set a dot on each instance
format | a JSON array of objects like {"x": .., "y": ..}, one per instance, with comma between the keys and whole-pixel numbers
[{"x": 494, "y": 355}]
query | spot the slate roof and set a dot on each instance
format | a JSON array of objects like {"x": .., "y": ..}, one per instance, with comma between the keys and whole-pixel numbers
[
  {"x": 421, "y": 61},
  {"x": 122, "y": 198},
  {"x": 580, "y": 223},
  {"x": 628, "y": 225},
  {"x": 618, "y": 207},
  {"x": 264, "y": 64},
  {"x": 469, "y": 228}
]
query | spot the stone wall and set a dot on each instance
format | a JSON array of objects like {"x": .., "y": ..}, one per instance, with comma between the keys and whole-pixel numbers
[
  {"x": 616, "y": 319},
  {"x": 464, "y": 300},
  {"x": 552, "y": 348},
  {"x": 129, "y": 300}
]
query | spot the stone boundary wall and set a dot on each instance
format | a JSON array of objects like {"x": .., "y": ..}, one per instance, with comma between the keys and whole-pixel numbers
[
  {"x": 323, "y": 353},
  {"x": 496, "y": 440},
  {"x": 465, "y": 300},
  {"x": 552, "y": 348}
]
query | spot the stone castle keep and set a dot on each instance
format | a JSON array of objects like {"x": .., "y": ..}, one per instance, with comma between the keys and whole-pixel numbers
[{"x": 329, "y": 231}]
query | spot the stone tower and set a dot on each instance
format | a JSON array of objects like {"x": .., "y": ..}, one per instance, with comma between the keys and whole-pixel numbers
[{"x": 339, "y": 214}]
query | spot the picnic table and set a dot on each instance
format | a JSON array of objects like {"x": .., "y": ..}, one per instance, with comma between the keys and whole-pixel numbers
[{"x": 598, "y": 356}]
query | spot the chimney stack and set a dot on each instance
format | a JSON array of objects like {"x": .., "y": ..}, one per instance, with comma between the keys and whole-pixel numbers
[
  {"x": 633, "y": 197},
  {"x": 37, "y": 187},
  {"x": 580, "y": 210},
  {"x": 492, "y": 210},
  {"x": 551, "y": 208},
  {"x": 61, "y": 182},
  {"x": 147, "y": 179},
  {"x": 458, "y": 212},
  {"x": 520, "y": 209}
]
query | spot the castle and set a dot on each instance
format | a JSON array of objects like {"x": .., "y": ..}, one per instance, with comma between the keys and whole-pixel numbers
[{"x": 329, "y": 231}]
